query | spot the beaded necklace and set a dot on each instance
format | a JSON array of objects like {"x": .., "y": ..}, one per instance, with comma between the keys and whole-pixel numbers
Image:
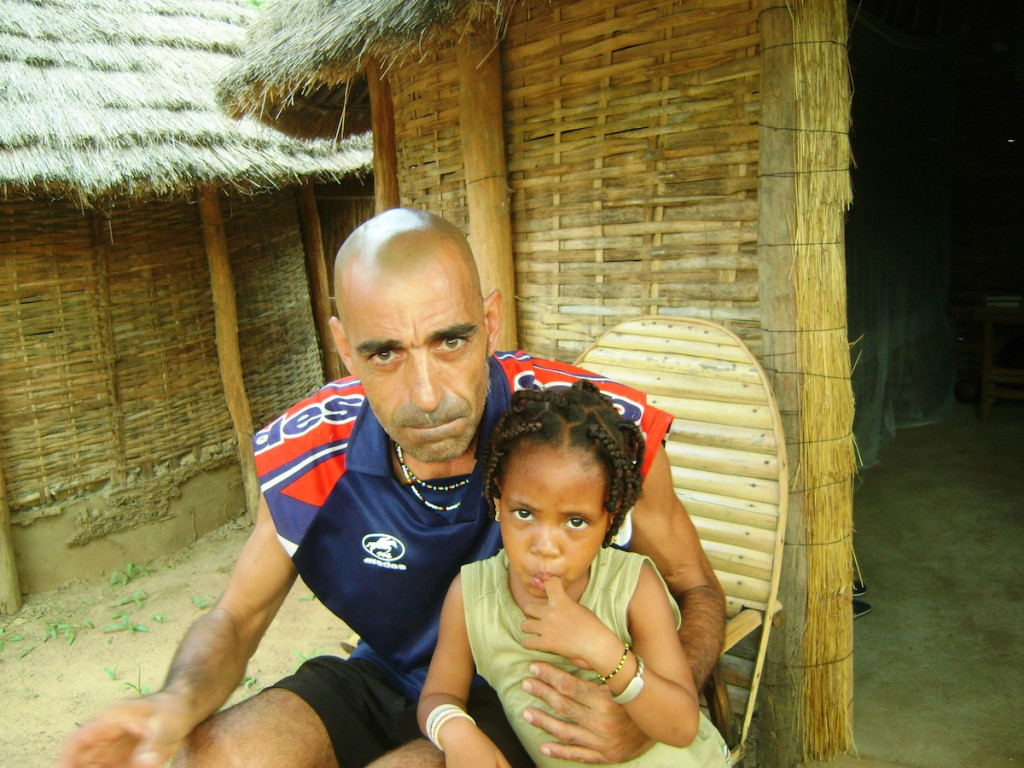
[{"x": 412, "y": 480}]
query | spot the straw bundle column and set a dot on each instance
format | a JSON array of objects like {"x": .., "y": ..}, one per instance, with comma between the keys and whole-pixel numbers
[
  {"x": 385, "y": 152},
  {"x": 229, "y": 353},
  {"x": 826, "y": 436},
  {"x": 487, "y": 193},
  {"x": 316, "y": 268},
  {"x": 804, "y": 192}
]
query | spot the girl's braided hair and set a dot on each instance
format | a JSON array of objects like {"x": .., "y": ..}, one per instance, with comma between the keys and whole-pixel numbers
[{"x": 579, "y": 417}]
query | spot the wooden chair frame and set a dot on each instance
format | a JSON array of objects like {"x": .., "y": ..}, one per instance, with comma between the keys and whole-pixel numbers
[{"x": 728, "y": 456}]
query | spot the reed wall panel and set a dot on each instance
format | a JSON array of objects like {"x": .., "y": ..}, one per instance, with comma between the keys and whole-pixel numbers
[
  {"x": 167, "y": 381},
  {"x": 108, "y": 370},
  {"x": 431, "y": 174},
  {"x": 632, "y": 140},
  {"x": 109, "y": 380},
  {"x": 55, "y": 407},
  {"x": 280, "y": 348}
]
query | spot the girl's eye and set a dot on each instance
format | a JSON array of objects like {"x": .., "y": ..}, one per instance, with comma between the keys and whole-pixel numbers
[
  {"x": 522, "y": 514},
  {"x": 577, "y": 523}
]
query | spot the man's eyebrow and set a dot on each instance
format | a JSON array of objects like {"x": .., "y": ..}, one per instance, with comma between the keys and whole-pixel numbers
[
  {"x": 453, "y": 332},
  {"x": 376, "y": 346}
]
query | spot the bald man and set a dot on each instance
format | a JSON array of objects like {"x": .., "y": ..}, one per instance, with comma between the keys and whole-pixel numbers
[{"x": 371, "y": 492}]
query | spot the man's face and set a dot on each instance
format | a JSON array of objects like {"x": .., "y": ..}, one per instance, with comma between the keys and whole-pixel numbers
[{"x": 419, "y": 342}]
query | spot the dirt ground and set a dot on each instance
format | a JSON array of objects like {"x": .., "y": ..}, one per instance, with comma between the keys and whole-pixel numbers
[{"x": 71, "y": 651}]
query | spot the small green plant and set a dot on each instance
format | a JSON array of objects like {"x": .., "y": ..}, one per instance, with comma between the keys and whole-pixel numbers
[
  {"x": 249, "y": 682},
  {"x": 138, "y": 598},
  {"x": 138, "y": 687},
  {"x": 202, "y": 602},
  {"x": 122, "y": 576},
  {"x": 65, "y": 629},
  {"x": 123, "y": 622},
  {"x": 111, "y": 673},
  {"x": 159, "y": 618},
  {"x": 308, "y": 597},
  {"x": 5, "y": 638}
]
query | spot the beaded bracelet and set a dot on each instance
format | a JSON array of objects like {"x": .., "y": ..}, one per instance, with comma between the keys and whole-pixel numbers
[{"x": 605, "y": 678}]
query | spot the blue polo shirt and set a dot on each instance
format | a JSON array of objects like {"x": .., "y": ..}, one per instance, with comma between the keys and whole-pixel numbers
[{"x": 372, "y": 553}]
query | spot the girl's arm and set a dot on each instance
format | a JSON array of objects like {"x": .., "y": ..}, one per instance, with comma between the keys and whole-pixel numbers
[
  {"x": 448, "y": 682},
  {"x": 667, "y": 707}
]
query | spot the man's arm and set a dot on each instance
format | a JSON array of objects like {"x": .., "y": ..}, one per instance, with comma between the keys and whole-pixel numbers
[
  {"x": 664, "y": 532},
  {"x": 207, "y": 667},
  {"x": 212, "y": 658}
]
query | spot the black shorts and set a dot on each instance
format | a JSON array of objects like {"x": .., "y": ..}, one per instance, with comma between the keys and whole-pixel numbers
[{"x": 366, "y": 717}]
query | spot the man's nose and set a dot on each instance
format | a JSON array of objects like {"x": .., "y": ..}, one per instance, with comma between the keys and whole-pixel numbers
[{"x": 426, "y": 387}]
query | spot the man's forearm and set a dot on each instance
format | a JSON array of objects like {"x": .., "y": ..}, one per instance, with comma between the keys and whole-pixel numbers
[
  {"x": 208, "y": 664},
  {"x": 702, "y": 629}
]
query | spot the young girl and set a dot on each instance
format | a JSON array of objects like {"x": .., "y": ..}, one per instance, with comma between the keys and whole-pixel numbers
[{"x": 561, "y": 470}]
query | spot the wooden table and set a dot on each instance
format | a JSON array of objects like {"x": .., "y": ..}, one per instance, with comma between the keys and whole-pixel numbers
[{"x": 993, "y": 378}]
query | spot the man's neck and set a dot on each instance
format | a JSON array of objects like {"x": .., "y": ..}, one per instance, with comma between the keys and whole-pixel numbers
[{"x": 425, "y": 470}]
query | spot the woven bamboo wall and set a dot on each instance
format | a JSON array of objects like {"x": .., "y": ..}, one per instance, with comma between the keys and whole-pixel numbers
[
  {"x": 280, "y": 349},
  {"x": 430, "y": 170},
  {"x": 342, "y": 207},
  {"x": 108, "y": 367},
  {"x": 632, "y": 135},
  {"x": 109, "y": 379}
]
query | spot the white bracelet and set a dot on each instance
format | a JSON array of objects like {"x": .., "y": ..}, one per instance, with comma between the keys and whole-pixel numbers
[
  {"x": 440, "y": 715},
  {"x": 635, "y": 685}
]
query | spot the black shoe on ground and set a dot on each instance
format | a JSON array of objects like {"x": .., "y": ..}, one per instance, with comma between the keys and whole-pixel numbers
[
  {"x": 860, "y": 608},
  {"x": 859, "y": 588}
]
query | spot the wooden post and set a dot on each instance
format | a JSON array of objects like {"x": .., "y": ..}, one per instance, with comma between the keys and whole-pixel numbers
[
  {"x": 10, "y": 587},
  {"x": 483, "y": 152},
  {"x": 101, "y": 247},
  {"x": 316, "y": 268},
  {"x": 229, "y": 353},
  {"x": 385, "y": 152},
  {"x": 780, "y": 738}
]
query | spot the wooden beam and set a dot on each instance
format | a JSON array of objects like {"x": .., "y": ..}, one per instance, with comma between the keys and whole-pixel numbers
[
  {"x": 101, "y": 248},
  {"x": 780, "y": 737},
  {"x": 385, "y": 151},
  {"x": 10, "y": 587},
  {"x": 229, "y": 353},
  {"x": 316, "y": 268},
  {"x": 483, "y": 153}
]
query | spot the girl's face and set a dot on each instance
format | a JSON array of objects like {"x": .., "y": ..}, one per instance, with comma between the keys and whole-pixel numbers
[{"x": 553, "y": 520}]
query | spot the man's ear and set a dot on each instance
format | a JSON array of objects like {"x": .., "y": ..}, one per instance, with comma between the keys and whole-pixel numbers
[
  {"x": 341, "y": 343},
  {"x": 492, "y": 319}
]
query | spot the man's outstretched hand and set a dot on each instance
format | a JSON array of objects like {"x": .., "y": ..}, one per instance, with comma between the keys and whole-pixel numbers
[{"x": 143, "y": 733}]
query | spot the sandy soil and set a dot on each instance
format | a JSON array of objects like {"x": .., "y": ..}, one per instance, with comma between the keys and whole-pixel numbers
[{"x": 61, "y": 660}]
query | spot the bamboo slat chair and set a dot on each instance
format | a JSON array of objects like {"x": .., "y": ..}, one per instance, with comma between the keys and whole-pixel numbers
[{"x": 728, "y": 457}]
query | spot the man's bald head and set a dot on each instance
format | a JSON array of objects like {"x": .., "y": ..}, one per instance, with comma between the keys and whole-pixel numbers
[{"x": 400, "y": 241}]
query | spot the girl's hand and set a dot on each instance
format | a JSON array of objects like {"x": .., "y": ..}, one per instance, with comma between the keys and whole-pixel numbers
[
  {"x": 563, "y": 626},
  {"x": 466, "y": 746}
]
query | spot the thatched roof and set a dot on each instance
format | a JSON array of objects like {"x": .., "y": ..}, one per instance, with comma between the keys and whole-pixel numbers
[
  {"x": 104, "y": 98},
  {"x": 302, "y": 66}
]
